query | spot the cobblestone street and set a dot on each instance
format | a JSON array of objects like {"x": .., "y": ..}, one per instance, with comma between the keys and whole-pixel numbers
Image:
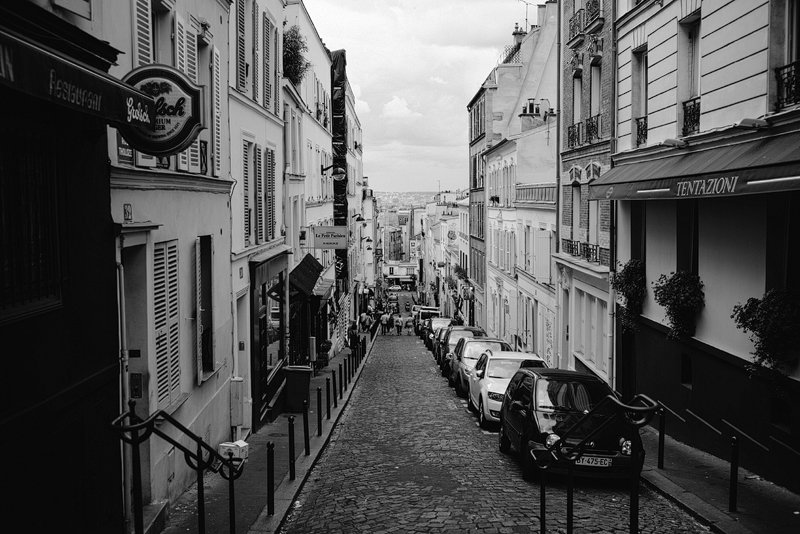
[{"x": 407, "y": 456}]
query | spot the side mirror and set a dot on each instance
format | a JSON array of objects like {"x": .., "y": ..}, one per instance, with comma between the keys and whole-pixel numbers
[
  {"x": 516, "y": 406},
  {"x": 479, "y": 374}
]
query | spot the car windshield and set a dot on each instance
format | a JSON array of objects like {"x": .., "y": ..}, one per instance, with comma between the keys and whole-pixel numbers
[
  {"x": 440, "y": 323},
  {"x": 569, "y": 395},
  {"x": 458, "y": 334},
  {"x": 502, "y": 367},
  {"x": 473, "y": 349}
]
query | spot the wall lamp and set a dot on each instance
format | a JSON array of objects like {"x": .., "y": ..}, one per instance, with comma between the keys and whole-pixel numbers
[
  {"x": 338, "y": 171},
  {"x": 675, "y": 143},
  {"x": 752, "y": 123}
]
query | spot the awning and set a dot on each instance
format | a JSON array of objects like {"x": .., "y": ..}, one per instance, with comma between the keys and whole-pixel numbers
[
  {"x": 731, "y": 166},
  {"x": 304, "y": 276},
  {"x": 41, "y": 72}
]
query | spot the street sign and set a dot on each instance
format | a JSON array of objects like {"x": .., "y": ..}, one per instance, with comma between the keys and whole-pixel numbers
[{"x": 330, "y": 237}]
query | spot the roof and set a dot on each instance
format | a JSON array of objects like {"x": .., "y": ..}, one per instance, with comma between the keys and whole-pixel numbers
[{"x": 514, "y": 355}]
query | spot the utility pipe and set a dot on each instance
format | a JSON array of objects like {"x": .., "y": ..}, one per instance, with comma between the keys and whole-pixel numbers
[{"x": 123, "y": 377}]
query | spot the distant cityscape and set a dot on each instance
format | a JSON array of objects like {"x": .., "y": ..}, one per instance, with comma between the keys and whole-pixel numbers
[{"x": 406, "y": 199}]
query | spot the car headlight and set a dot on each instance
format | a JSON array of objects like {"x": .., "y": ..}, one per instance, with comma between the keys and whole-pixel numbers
[
  {"x": 625, "y": 446},
  {"x": 496, "y": 396},
  {"x": 551, "y": 440}
]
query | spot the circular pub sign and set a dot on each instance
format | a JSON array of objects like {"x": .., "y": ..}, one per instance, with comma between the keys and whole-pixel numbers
[{"x": 178, "y": 109}]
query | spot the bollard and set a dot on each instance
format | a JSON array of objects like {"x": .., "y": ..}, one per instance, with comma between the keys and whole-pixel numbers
[
  {"x": 291, "y": 447},
  {"x": 734, "y": 478},
  {"x": 570, "y": 495},
  {"x": 270, "y": 478},
  {"x": 231, "y": 493},
  {"x": 333, "y": 372},
  {"x": 319, "y": 411},
  {"x": 306, "y": 440},
  {"x": 328, "y": 397},
  {"x": 201, "y": 505},
  {"x": 636, "y": 453},
  {"x": 346, "y": 375},
  {"x": 542, "y": 501},
  {"x": 662, "y": 423},
  {"x": 341, "y": 379}
]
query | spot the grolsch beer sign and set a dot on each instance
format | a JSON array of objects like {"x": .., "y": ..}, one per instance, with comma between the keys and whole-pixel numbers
[{"x": 178, "y": 110}]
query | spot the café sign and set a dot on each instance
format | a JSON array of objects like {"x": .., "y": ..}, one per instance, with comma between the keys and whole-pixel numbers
[
  {"x": 178, "y": 110},
  {"x": 330, "y": 237}
]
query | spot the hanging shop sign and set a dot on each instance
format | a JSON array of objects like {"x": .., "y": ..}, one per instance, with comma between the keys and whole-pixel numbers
[
  {"x": 43, "y": 73},
  {"x": 178, "y": 110},
  {"x": 331, "y": 237}
]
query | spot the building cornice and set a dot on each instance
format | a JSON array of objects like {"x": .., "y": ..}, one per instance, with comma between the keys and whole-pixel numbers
[{"x": 156, "y": 179}]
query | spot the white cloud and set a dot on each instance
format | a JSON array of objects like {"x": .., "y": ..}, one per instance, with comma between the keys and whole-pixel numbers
[
  {"x": 397, "y": 108},
  {"x": 437, "y": 79}
]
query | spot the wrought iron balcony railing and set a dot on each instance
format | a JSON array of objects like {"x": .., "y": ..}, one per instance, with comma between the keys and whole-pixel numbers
[
  {"x": 574, "y": 132},
  {"x": 588, "y": 251},
  {"x": 536, "y": 193},
  {"x": 691, "y": 116},
  {"x": 593, "y": 128},
  {"x": 592, "y": 11},
  {"x": 788, "y": 85},
  {"x": 576, "y": 24},
  {"x": 641, "y": 130}
]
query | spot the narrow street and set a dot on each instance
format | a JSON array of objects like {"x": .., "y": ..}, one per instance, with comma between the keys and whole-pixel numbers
[{"x": 407, "y": 456}]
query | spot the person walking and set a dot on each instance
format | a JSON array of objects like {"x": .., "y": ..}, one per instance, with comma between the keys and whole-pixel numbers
[
  {"x": 385, "y": 323},
  {"x": 409, "y": 325},
  {"x": 398, "y": 324}
]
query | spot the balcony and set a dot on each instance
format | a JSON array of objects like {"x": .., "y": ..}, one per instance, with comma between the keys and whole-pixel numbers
[
  {"x": 641, "y": 131},
  {"x": 594, "y": 16},
  {"x": 586, "y": 251},
  {"x": 576, "y": 25},
  {"x": 574, "y": 132},
  {"x": 593, "y": 129},
  {"x": 536, "y": 193},
  {"x": 788, "y": 85},
  {"x": 691, "y": 116}
]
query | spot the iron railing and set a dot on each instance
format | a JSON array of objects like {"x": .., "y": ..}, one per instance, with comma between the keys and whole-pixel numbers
[
  {"x": 135, "y": 431},
  {"x": 576, "y": 24},
  {"x": 691, "y": 116},
  {"x": 587, "y": 251},
  {"x": 593, "y": 128},
  {"x": 788, "y": 85},
  {"x": 592, "y": 11},
  {"x": 574, "y": 132},
  {"x": 641, "y": 131},
  {"x": 536, "y": 193}
]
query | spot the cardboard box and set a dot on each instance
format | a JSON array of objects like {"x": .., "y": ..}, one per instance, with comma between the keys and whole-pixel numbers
[{"x": 240, "y": 449}]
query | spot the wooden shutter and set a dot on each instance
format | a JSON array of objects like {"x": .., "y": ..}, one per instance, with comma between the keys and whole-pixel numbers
[
  {"x": 198, "y": 314},
  {"x": 277, "y": 75},
  {"x": 270, "y": 193},
  {"x": 217, "y": 134},
  {"x": 541, "y": 253},
  {"x": 246, "y": 189},
  {"x": 166, "y": 324},
  {"x": 241, "y": 56},
  {"x": 259, "y": 178},
  {"x": 180, "y": 64},
  {"x": 143, "y": 47},
  {"x": 193, "y": 152},
  {"x": 267, "y": 37},
  {"x": 256, "y": 37}
]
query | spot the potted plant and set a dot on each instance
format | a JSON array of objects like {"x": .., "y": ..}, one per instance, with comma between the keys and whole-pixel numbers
[
  {"x": 774, "y": 325},
  {"x": 629, "y": 281},
  {"x": 681, "y": 295}
]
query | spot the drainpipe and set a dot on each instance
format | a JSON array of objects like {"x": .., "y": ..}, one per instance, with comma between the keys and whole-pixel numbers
[
  {"x": 612, "y": 294},
  {"x": 559, "y": 292},
  {"x": 123, "y": 377}
]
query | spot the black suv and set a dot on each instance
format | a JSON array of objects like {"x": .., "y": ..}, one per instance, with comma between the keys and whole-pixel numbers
[{"x": 540, "y": 405}]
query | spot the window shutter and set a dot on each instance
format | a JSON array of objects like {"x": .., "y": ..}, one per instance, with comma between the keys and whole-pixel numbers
[
  {"x": 246, "y": 186},
  {"x": 198, "y": 315},
  {"x": 270, "y": 194},
  {"x": 259, "y": 178},
  {"x": 165, "y": 313},
  {"x": 143, "y": 49},
  {"x": 541, "y": 256},
  {"x": 256, "y": 37},
  {"x": 192, "y": 71},
  {"x": 180, "y": 64},
  {"x": 174, "y": 323},
  {"x": 217, "y": 135},
  {"x": 241, "y": 57},
  {"x": 267, "y": 36},
  {"x": 277, "y": 76}
]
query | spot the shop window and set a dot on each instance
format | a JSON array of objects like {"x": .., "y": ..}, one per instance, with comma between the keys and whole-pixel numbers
[
  {"x": 783, "y": 225},
  {"x": 204, "y": 353},
  {"x": 687, "y": 235}
]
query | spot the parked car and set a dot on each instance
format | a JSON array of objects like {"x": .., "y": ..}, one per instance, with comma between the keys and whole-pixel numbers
[
  {"x": 430, "y": 326},
  {"x": 395, "y": 288},
  {"x": 540, "y": 405},
  {"x": 448, "y": 344},
  {"x": 487, "y": 383},
  {"x": 421, "y": 314},
  {"x": 465, "y": 356},
  {"x": 438, "y": 336}
]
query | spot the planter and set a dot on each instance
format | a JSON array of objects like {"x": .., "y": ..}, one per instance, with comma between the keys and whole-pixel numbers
[
  {"x": 298, "y": 379},
  {"x": 681, "y": 295}
]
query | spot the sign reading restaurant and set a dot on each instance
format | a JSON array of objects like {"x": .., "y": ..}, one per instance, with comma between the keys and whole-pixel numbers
[{"x": 178, "y": 110}]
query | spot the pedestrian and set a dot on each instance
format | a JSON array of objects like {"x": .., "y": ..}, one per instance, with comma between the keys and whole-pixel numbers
[
  {"x": 352, "y": 334},
  {"x": 398, "y": 324},
  {"x": 409, "y": 325},
  {"x": 385, "y": 323}
]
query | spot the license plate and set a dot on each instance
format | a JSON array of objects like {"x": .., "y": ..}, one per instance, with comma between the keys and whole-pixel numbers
[{"x": 593, "y": 461}]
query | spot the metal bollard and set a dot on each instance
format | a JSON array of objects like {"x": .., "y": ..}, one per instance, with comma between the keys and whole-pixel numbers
[
  {"x": 319, "y": 411},
  {"x": 662, "y": 423},
  {"x": 270, "y": 478},
  {"x": 231, "y": 497},
  {"x": 636, "y": 452},
  {"x": 201, "y": 505},
  {"x": 341, "y": 379},
  {"x": 333, "y": 372},
  {"x": 291, "y": 447},
  {"x": 542, "y": 501},
  {"x": 328, "y": 397},
  {"x": 346, "y": 375},
  {"x": 306, "y": 440},
  {"x": 570, "y": 496},
  {"x": 734, "y": 478}
]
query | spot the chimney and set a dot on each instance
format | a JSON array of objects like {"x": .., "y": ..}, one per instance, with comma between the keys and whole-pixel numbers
[
  {"x": 541, "y": 15},
  {"x": 518, "y": 33}
]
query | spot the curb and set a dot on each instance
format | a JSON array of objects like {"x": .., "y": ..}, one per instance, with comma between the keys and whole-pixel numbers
[{"x": 288, "y": 490}]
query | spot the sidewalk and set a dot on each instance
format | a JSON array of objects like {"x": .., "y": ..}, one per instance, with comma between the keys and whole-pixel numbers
[{"x": 694, "y": 480}]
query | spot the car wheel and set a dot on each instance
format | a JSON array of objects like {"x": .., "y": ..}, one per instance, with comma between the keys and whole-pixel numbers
[
  {"x": 482, "y": 421},
  {"x": 526, "y": 461},
  {"x": 469, "y": 403},
  {"x": 505, "y": 443}
]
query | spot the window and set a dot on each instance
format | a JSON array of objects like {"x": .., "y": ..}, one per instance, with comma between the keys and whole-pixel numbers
[
  {"x": 166, "y": 323},
  {"x": 639, "y": 97},
  {"x": 594, "y": 221},
  {"x": 687, "y": 235},
  {"x": 185, "y": 42},
  {"x": 576, "y": 212},
  {"x": 638, "y": 234},
  {"x": 204, "y": 331},
  {"x": 782, "y": 258},
  {"x": 217, "y": 108},
  {"x": 594, "y": 100},
  {"x": 542, "y": 251},
  {"x": 241, "y": 53}
]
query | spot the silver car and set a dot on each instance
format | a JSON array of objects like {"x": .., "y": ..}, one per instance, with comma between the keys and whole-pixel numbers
[{"x": 466, "y": 355}]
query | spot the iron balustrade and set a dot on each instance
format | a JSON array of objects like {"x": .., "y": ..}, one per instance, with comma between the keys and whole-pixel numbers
[
  {"x": 691, "y": 116},
  {"x": 593, "y": 128},
  {"x": 788, "y": 85},
  {"x": 641, "y": 130},
  {"x": 574, "y": 134},
  {"x": 592, "y": 11},
  {"x": 536, "y": 193},
  {"x": 135, "y": 431},
  {"x": 576, "y": 24},
  {"x": 571, "y": 247},
  {"x": 590, "y": 252}
]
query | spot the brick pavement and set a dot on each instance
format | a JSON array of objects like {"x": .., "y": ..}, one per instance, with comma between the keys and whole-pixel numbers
[{"x": 407, "y": 456}]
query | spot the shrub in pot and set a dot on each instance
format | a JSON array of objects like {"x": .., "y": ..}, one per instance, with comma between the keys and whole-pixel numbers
[
  {"x": 681, "y": 295},
  {"x": 629, "y": 281}
]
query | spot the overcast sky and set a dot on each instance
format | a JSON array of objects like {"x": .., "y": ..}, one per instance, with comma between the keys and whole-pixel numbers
[{"x": 413, "y": 66}]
